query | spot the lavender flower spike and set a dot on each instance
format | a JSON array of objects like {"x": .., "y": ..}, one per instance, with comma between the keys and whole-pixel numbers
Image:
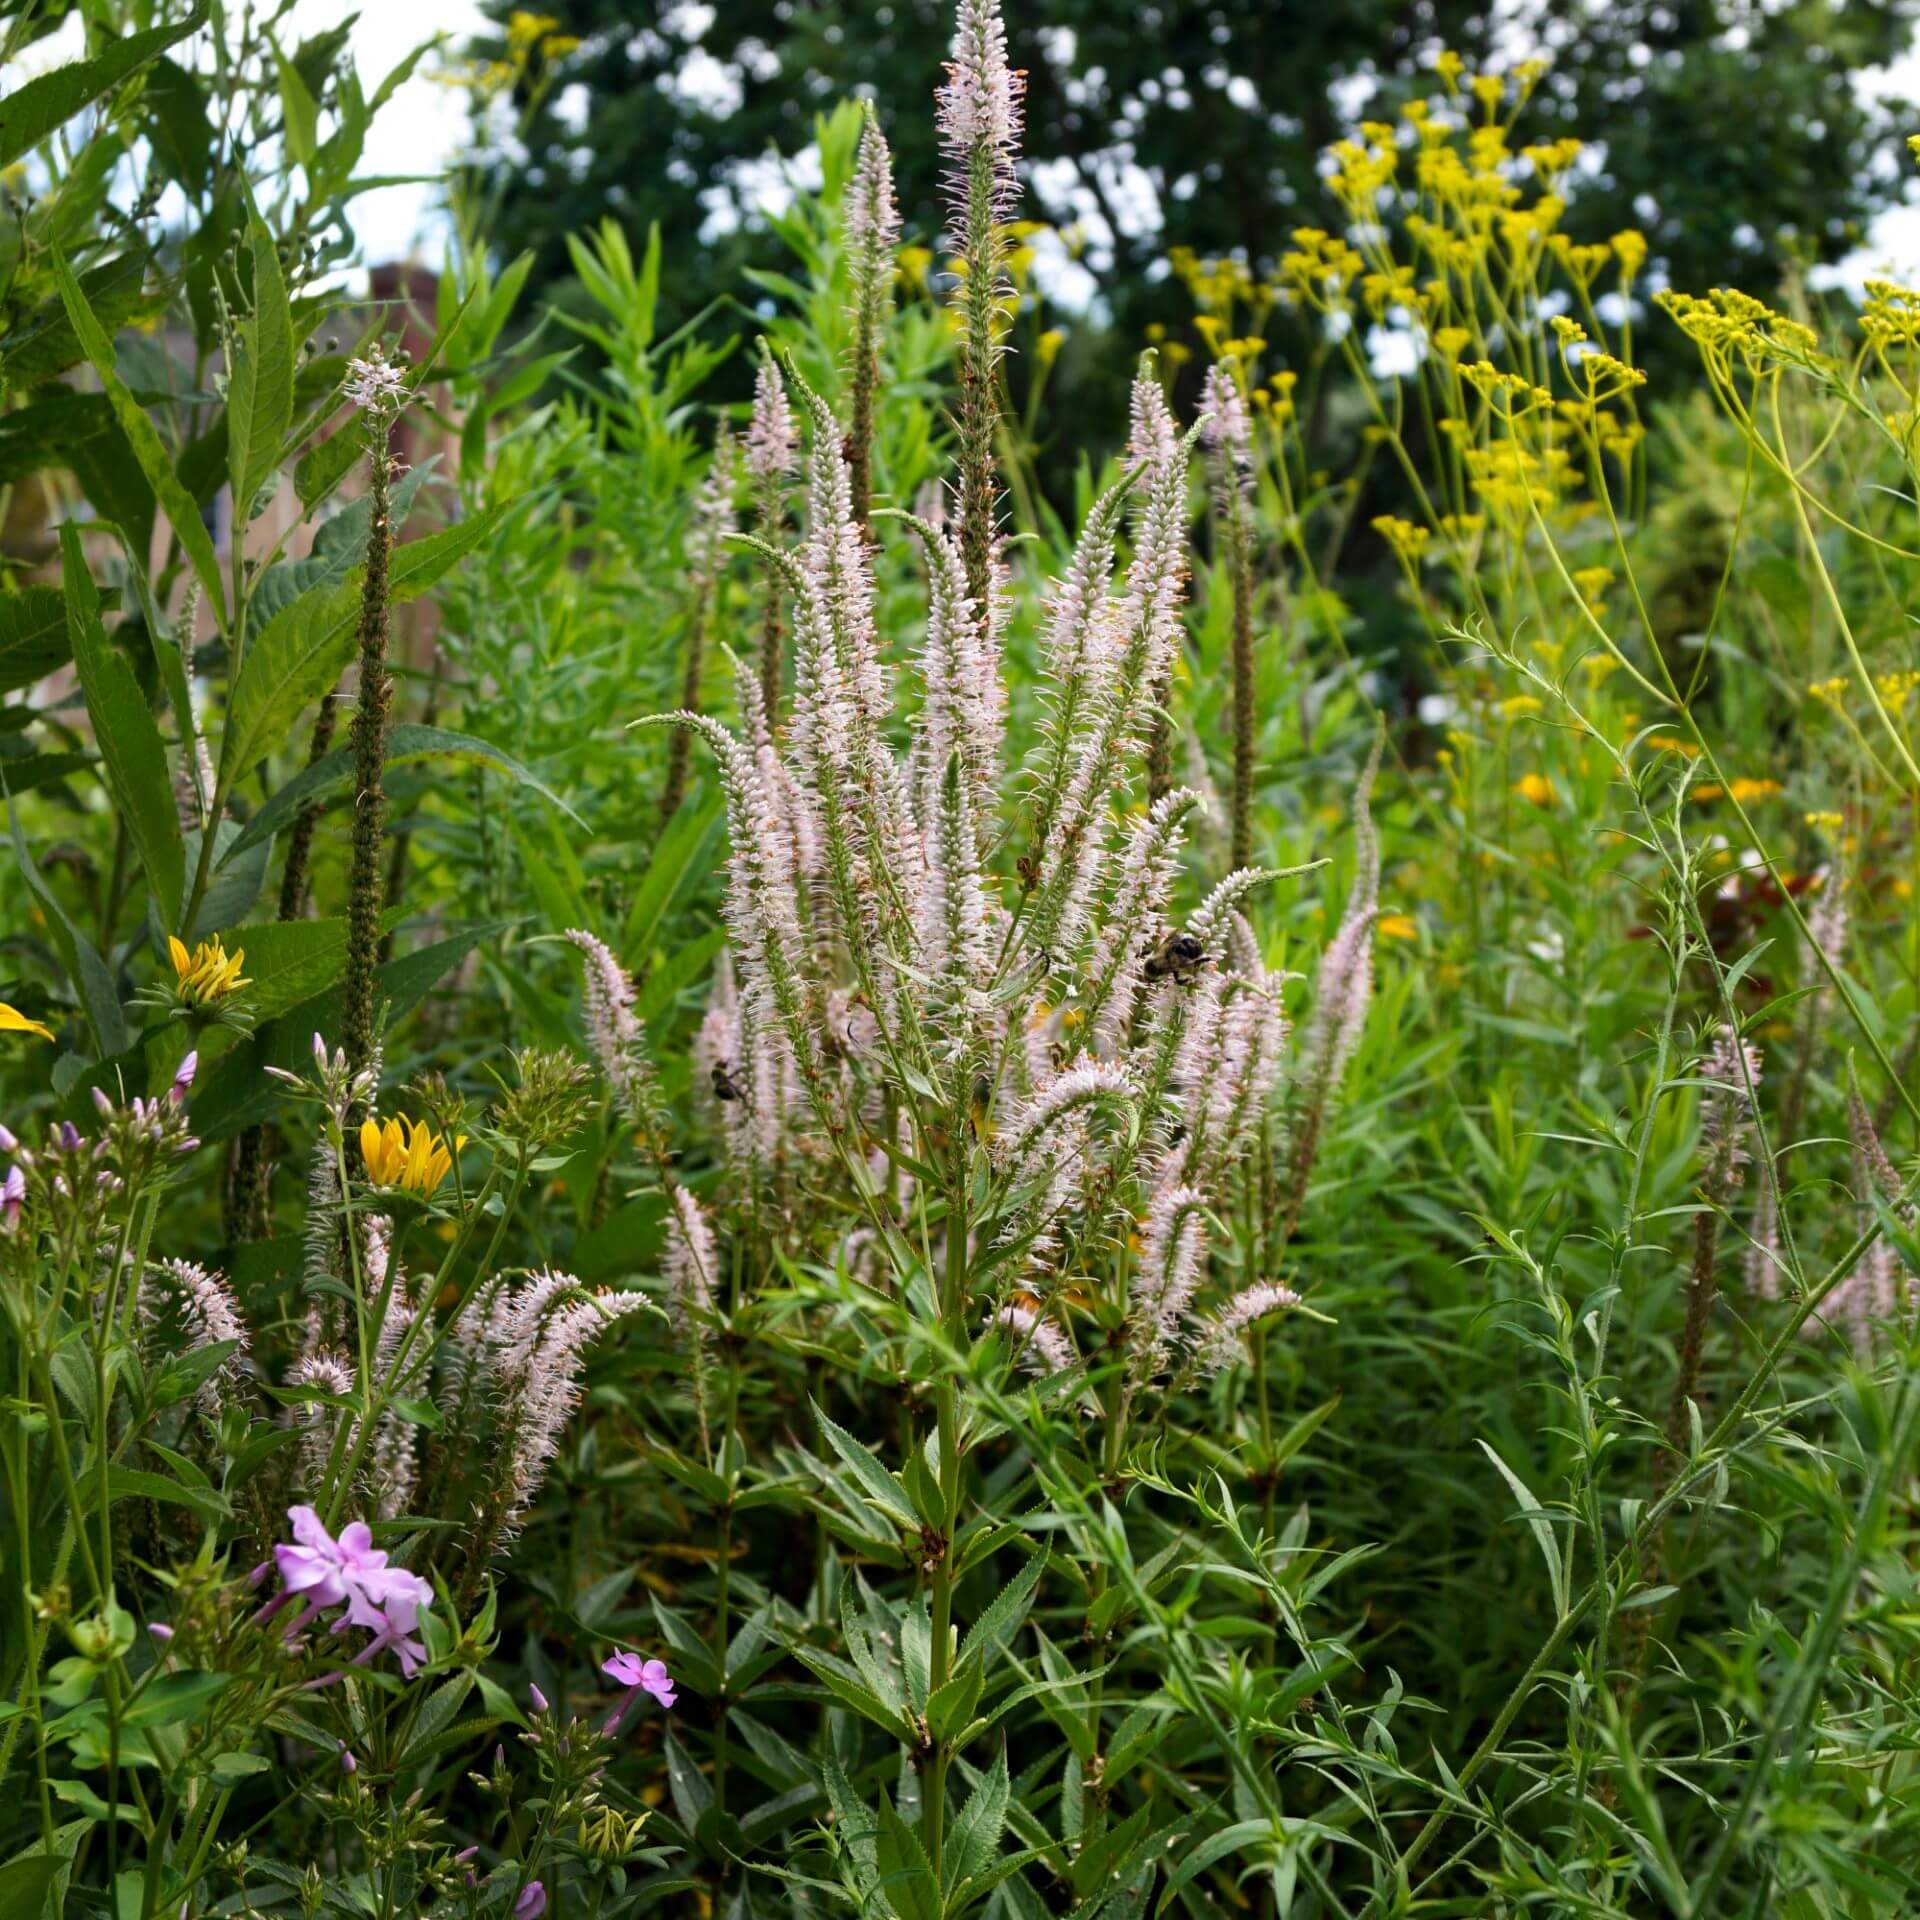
[{"x": 1223, "y": 1341}]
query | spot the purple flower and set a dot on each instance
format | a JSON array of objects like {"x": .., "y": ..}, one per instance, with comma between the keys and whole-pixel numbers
[
  {"x": 323, "y": 1572},
  {"x": 8, "y": 1143},
  {"x": 160, "y": 1631},
  {"x": 637, "y": 1676},
  {"x": 532, "y": 1902},
  {"x": 13, "y": 1196},
  {"x": 102, "y": 1104},
  {"x": 184, "y": 1078},
  {"x": 538, "y": 1698},
  {"x": 393, "y": 1625},
  {"x": 69, "y": 1136},
  {"x": 348, "y": 1764}
]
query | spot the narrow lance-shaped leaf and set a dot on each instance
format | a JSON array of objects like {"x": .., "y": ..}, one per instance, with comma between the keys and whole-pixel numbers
[
  {"x": 301, "y": 652},
  {"x": 131, "y": 750},
  {"x": 260, "y": 389},
  {"x": 144, "y": 438},
  {"x": 43, "y": 106}
]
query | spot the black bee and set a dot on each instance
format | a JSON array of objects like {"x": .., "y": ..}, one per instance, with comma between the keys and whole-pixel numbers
[
  {"x": 725, "y": 1086},
  {"x": 1178, "y": 958},
  {"x": 979, "y": 1109}
]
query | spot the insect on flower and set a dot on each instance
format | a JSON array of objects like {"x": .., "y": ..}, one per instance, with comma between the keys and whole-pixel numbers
[{"x": 407, "y": 1154}]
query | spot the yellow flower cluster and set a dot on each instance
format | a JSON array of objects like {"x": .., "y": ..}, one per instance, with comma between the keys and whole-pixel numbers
[
  {"x": 406, "y": 1154},
  {"x": 207, "y": 975},
  {"x": 1406, "y": 539},
  {"x": 1729, "y": 325}
]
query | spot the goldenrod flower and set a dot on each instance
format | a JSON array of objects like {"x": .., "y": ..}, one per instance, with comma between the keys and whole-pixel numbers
[
  {"x": 406, "y": 1154},
  {"x": 1744, "y": 790},
  {"x": 1535, "y": 788},
  {"x": 13, "y": 1021},
  {"x": 207, "y": 975},
  {"x": 1397, "y": 926},
  {"x": 1520, "y": 706}
]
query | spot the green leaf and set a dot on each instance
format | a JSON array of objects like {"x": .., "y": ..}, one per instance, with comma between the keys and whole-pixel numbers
[
  {"x": 135, "y": 1483},
  {"x": 334, "y": 774},
  {"x": 43, "y": 106},
  {"x": 1216, "y": 1847},
  {"x": 174, "y": 499},
  {"x": 1541, "y": 1525},
  {"x": 681, "y": 860},
  {"x": 875, "y": 1482},
  {"x": 33, "y": 636},
  {"x": 173, "y": 1697},
  {"x": 906, "y": 1878},
  {"x": 25, "y": 1882},
  {"x": 299, "y": 113},
  {"x": 84, "y": 966},
  {"x": 289, "y": 961},
  {"x": 303, "y": 650},
  {"x": 260, "y": 388},
  {"x": 131, "y": 750},
  {"x": 1004, "y": 1613},
  {"x": 692, "y": 1796},
  {"x": 976, "y": 1834}
]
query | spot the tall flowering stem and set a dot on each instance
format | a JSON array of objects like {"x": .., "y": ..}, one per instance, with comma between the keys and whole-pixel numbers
[
  {"x": 1342, "y": 991},
  {"x": 1228, "y": 438},
  {"x": 772, "y": 450},
  {"x": 375, "y": 388},
  {"x": 705, "y": 555},
  {"x": 979, "y": 123},
  {"x": 871, "y": 229}
]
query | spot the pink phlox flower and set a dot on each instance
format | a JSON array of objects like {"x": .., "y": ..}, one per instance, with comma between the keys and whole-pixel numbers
[
  {"x": 637, "y": 1676},
  {"x": 351, "y": 1571}
]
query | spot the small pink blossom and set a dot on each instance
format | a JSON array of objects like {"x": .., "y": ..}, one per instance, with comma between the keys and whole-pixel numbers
[
  {"x": 637, "y": 1676},
  {"x": 532, "y": 1902}
]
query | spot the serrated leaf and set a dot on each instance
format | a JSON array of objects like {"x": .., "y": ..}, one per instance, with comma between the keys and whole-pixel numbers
[
  {"x": 44, "y": 105},
  {"x": 33, "y": 635},
  {"x": 906, "y": 1876},
  {"x": 879, "y": 1486},
  {"x": 1004, "y": 1613},
  {"x": 976, "y": 1834},
  {"x": 260, "y": 385},
  {"x": 300, "y": 654}
]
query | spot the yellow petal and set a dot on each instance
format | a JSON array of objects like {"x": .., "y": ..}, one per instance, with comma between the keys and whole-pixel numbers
[
  {"x": 372, "y": 1148},
  {"x": 182, "y": 959},
  {"x": 12, "y": 1021}
]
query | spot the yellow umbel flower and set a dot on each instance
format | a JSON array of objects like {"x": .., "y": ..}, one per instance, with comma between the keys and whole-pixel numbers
[
  {"x": 14, "y": 1021},
  {"x": 407, "y": 1154},
  {"x": 207, "y": 975}
]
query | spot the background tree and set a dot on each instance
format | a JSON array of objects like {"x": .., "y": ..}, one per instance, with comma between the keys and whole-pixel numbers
[{"x": 1199, "y": 123}]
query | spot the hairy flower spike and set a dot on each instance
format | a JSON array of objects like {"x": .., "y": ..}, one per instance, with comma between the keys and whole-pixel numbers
[
  {"x": 870, "y": 223},
  {"x": 209, "y": 1316}
]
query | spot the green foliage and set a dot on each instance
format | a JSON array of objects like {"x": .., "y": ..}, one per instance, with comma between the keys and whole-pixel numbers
[{"x": 1477, "y": 1584}]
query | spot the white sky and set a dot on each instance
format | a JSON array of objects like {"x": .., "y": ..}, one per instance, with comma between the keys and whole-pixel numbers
[{"x": 418, "y": 131}]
